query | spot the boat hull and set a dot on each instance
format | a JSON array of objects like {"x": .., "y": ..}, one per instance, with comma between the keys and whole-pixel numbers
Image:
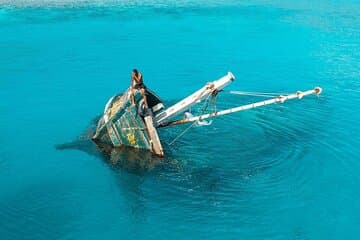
[{"x": 125, "y": 124}]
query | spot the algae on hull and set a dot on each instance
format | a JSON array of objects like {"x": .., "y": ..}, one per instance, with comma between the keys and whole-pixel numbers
[{"x": 125, "y": 124}]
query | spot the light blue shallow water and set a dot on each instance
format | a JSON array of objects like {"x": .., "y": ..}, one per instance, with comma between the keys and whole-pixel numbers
[{"x": 287, "y": 171}]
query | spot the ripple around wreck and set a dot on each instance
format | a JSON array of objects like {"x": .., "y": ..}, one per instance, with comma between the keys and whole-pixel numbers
[
  {"x": 267, "y": 162},
  {"x": 286, "y": 171}
]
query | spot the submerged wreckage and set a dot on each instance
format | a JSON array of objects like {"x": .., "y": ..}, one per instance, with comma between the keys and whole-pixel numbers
[{"x": 124, "y": 123}]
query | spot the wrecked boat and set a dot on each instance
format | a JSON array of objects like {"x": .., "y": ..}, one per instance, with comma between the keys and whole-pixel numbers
[{"x": 126, "y": 124}]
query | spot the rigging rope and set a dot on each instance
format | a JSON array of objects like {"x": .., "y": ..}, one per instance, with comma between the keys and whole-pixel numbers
[
  {"x": 258, "y": 94},
  {"x": 203, "y": 109},
  {"x": 182, "y": 133}
]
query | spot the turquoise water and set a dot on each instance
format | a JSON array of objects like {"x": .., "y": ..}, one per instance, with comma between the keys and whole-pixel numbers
[{"x": 287, "y": 171}]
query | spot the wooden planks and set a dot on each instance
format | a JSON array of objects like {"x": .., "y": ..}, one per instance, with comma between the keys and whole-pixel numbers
[{"x": 154, "y": 137}]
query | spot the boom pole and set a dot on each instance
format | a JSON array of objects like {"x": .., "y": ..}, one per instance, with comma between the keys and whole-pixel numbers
[
  {"x": 194, "y": 98},
  {"x": 279, "y": 99}
]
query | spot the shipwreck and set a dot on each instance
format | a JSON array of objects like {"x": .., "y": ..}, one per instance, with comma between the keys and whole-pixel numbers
[{"x": 133, "y": 125}]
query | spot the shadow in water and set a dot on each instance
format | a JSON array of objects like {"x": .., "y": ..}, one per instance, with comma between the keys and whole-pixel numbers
[{"x": 131, "y": 159}]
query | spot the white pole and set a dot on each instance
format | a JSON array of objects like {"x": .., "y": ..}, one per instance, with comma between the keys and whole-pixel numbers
[
  {"x": 194, "y": 98},
  {"x": 280, "y": 99}
]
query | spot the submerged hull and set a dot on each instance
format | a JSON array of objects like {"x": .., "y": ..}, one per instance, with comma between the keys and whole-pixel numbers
[{"x": 124, "y": 124}]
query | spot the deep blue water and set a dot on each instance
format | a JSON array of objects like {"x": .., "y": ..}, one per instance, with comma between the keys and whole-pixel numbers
[{"x": 288, "y": 171}]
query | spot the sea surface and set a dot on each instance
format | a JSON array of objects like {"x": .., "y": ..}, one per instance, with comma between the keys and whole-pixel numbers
[{"x": 286, "y": 171}]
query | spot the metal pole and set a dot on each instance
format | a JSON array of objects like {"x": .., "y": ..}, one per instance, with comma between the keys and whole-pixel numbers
[{"x": 280, "y": 99}]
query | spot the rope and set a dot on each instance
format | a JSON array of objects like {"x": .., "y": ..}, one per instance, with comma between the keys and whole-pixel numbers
[
  {"x": 257, "y": 94},
  {"x": 181, "y": 134},
  {"x": 265, "y": 93},
  {"x": 213, "y": 102},
  {"x": 206, "y": 104}
]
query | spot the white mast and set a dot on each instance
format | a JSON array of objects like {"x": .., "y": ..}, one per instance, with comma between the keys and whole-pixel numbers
[
  {"x": 279, "y": 99},
  {"x": 194, "y": 98}
]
